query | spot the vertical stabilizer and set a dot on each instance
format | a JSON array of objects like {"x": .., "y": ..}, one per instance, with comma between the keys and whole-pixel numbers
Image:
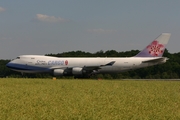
[{"x": 156, "y": 48}]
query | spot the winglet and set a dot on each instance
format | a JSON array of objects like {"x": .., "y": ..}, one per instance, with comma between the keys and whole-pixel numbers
[{"x": 156, "y": 48}]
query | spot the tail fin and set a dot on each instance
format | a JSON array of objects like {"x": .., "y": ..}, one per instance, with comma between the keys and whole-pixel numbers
[{"x": 156, "y": 48}]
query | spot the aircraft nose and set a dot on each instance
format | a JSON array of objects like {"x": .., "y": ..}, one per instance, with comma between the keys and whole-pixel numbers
[{"x": 8, "y": 65}]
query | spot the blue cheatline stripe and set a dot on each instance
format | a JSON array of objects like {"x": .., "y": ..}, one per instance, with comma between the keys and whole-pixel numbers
[{"x": 26, "y": 67}]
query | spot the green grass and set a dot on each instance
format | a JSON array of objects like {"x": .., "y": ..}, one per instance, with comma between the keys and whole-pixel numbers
[{"x": 46, "y": 99}]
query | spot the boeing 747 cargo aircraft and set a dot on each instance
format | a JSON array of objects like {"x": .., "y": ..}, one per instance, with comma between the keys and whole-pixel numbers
[{"x": 151, "y": 55}]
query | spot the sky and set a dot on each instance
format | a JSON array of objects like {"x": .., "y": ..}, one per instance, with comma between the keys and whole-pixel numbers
[{"x": 56, "y": 26}]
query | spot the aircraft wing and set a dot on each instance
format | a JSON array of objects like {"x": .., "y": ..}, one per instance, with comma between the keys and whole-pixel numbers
[
  {"x": 157, "y": 60},
  {"x": 87, "y": 68}
]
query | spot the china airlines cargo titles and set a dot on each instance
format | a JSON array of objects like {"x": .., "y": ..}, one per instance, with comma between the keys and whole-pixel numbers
[{"x": 52, "y": 62}]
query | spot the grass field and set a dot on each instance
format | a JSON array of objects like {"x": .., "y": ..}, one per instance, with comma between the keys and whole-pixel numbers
[{"x": 46, "y": 99}]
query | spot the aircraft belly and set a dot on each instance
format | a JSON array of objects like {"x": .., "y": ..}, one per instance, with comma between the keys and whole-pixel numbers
[{"x": 31, "y": 71}]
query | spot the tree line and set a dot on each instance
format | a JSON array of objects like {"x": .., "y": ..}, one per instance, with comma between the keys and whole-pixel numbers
[{"x": 168, "y": 70}]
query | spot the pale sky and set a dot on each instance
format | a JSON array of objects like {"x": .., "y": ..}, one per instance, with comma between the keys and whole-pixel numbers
[{"x": 55, "y": 26}]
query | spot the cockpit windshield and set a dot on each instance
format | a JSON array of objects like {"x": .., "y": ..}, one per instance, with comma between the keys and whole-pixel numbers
[{"x": 15, "y": 58}]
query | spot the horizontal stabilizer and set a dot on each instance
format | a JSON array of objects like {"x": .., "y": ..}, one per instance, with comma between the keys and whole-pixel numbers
[{"x": 156, "y": 60}]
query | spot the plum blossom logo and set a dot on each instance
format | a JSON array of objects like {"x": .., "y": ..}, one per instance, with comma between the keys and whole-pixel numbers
[
  {"x": 66, "y": 62},
  {"x": 155, "y": 49}
]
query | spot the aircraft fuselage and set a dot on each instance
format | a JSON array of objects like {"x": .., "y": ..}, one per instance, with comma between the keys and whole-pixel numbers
[{"x": 77, "y": 66}]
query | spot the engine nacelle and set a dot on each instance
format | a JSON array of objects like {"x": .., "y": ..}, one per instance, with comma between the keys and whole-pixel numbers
[
  {"x": 77, "y": 71},
  {"x": 58, "y": 72}
]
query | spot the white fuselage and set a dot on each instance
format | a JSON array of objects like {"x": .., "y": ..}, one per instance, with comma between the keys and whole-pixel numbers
[{"x": 61, "y": 66}]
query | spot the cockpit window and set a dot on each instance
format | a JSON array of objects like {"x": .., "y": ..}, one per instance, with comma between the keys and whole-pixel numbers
[{"x": 16, "y": 58}]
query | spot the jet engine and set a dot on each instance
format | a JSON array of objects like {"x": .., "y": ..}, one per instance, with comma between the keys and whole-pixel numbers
[
  {"x": 58, "y": 72},
  {"x": 77, "y": 71}
]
